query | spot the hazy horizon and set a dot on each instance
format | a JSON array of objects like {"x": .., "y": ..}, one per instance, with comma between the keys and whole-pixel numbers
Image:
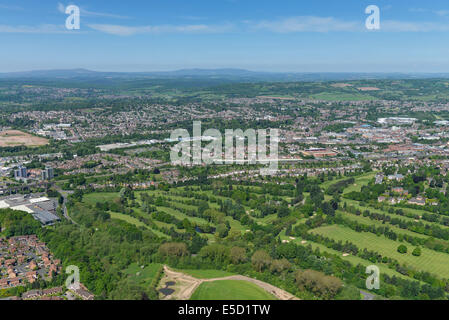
[{"x": 323, "y": 36}]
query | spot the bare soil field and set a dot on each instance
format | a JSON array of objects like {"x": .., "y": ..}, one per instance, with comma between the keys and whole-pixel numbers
[
  {"x": 368, "y": 89},
  {"x": 341, "y": 85},
  {"x": 14, "y": 138}
]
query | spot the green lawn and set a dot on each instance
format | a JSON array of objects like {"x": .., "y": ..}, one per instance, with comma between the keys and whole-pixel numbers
[
  {"x": 142, "y": 276},
  {"x": 230, "y": 290},
  {"x": 354, "y": 260},
  {"x": 368, "y": 221},
  {"x": 362, "y": 208},
  {"x": 93, "y": 198},
  {"x": 181, "y": 216},
  {"x": 431, "y": 261},
  {"x": 360, "y": 182},
  {"x": 134, "y": 221},
  {"x": 235, "y": 225},
  {"x": 207, "y": 274}
]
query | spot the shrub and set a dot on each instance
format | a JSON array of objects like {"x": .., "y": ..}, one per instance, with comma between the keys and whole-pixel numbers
[
  {"x": 402, "y": 249},
  {"x": 417, "y": 252}
]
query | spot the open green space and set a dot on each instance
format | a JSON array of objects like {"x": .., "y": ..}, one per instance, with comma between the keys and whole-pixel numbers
[
  {"x": 362, "y": 208},
  {"x": 207, "y": 274},
  {"x": 93, "y": 198},
  {"x": 360, "y": 181},
  {"x": 431, "y": 261},
  {"x": 230, "y": 290},
  {"x": 143, "y": 275},
  {"x": 134, "y": 221},
  {"x": 368, "y": 221},
  {"x": 354, "y": 260}
]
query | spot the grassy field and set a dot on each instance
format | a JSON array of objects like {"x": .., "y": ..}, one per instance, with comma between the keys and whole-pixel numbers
[
  {"x": 431, "y": 261},
  {"x": 368, "y": 221},
  {"x": 230, "y": 290},
  {"x": 142, "y": 276},
  {"x": 129, "y": 219},
  {"x": 362, "y": 208},
  {"x": 181, "y": 216},
  {"x": 354, "y": 260},
  {"x": 207, "y": 274},
  {"x": 134, "y": 221},
  {"x": 360, "y": 182},
  {"x": 177, "y": 205},
  {"x": 93, "y": 198}
]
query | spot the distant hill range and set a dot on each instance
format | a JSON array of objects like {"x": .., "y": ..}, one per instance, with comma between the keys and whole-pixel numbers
[{"x": 216, "y": 74}]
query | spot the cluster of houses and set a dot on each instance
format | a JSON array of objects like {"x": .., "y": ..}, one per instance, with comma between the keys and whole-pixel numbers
[
  {"x": 58, "y": 293},
  {"x": 45, "y": 294},
  {"x": 398, "y": 195},
  {"x": 25, "y": 259}
]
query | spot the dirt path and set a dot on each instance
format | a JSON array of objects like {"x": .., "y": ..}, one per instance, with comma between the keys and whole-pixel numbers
[{"x": 187, "y": 285}]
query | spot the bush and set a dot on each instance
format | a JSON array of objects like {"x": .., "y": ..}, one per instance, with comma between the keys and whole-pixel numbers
[
  {"x": 402, "y": 249},
  {"x": 318, "y": 283},
  {"x": 417, "y": 252},
  {"x": 174, "y": 249}
]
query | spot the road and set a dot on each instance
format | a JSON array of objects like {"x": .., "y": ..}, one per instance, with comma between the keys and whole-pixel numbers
[
  {"x": 367, "y": 295},
  {"x": 64, "y": 195}
]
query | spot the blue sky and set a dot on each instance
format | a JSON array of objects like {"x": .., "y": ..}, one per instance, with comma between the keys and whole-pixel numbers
[{"x": 281, "y": 35}]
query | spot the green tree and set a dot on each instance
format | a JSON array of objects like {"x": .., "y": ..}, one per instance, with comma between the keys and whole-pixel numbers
[
  {"x": 237, "y": 255},
  {"x": 417, "y": 252},
  {"x": 402, "y": 249},
  {"x": 260, "y": 260}
]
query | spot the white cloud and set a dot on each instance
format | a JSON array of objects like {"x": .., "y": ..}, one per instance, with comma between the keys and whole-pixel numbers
[
  {"x": 418, "y": 10},
  {"x": 404, "y": 26},
  {"x": 61, "y": 7},
  {"x": 308, "y": 24},
  {"x": 331, "y": 24},
  {"x": 87, "y": 13},
  {"x": 121, "y": 30},
  {"x": 45, "y": 28},
  {"x": 442, "y": 13}
]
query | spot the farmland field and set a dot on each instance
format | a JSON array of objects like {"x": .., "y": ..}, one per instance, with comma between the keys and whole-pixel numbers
[{"x": 14, "y": 138}]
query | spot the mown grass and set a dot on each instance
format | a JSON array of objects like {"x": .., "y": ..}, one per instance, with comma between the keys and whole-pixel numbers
[
  {"x": 362, "y": 208},
  {"x": 354, "y": 260},
  {"x": 207, "y": 274},
  {"x": 93, "y": 198},
  {"x": 134, "y": 221},
  {"x": 230, "y": 290},
  {"x": 142, "y": 276},
  {"x": 368, "y": 221},
  {"x": 360, "y": 181},
  {"x": 431, "y": 261}
]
